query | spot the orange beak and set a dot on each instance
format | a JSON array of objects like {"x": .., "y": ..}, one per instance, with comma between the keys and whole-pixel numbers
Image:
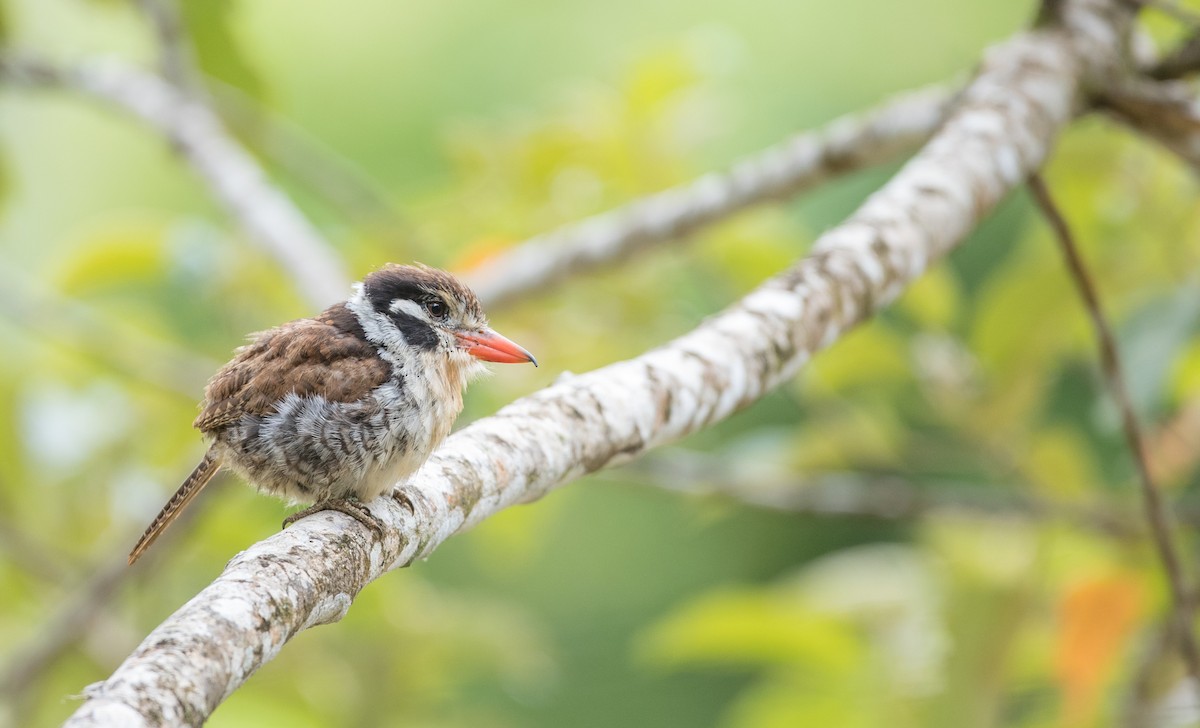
[{"x": 490, "y": 346}]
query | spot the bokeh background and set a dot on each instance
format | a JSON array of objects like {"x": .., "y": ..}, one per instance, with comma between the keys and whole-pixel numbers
[{"x": 1012, "y": 585}]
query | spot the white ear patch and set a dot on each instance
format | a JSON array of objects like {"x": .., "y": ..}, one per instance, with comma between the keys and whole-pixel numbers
[
  {"x": 404, "y": 305},
  {"x": 378, "y": 328}
]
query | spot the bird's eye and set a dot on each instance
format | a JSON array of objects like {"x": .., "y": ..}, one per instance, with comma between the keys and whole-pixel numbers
[{"x": 436, "y": 308}]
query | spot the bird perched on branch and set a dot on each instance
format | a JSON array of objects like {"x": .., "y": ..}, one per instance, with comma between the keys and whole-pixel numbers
[{"x": 335, "y": 409}]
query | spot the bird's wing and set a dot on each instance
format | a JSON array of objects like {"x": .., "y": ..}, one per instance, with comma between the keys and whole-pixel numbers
[{"x": 326, "y": 356}]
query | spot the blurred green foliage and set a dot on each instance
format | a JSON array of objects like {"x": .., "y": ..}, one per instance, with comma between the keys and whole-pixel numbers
[{"x": 611, "y": 602}]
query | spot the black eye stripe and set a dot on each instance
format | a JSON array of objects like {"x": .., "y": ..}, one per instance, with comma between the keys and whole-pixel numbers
[{"x": 416, "y": 332}]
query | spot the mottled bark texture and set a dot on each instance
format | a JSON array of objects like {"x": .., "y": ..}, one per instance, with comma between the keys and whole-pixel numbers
[{"x": 1001, "y": 130}]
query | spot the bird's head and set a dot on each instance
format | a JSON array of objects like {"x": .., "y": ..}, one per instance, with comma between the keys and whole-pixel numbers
[{"x": 417, "y": 313}]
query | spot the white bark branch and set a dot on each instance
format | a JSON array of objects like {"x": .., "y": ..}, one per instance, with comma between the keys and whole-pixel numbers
[
  {"x": 845, "y": 145},
  {"x": 308, "y": 575},
  {"x": 236, "y": 180}
]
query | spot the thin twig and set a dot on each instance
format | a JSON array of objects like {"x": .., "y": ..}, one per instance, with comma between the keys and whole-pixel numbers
[{"x": 1157, "y": 515}]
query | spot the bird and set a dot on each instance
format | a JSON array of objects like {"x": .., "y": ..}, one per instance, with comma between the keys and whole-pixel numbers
[{"x": 335, "y": 409}]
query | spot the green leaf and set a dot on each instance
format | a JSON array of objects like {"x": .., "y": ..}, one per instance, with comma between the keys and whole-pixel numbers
[
  {"x": 750, "y": 628},
  {"x": 799, "y": 698},
  {"x": 934, "y": 300},
  {"x": 1185, "y": 372},
  {"x": 116, "y": 255},
  {"x": 967, "y": 545},
  {"x": 872, "y": 356},
  {"x": 1061, "y": 461}
]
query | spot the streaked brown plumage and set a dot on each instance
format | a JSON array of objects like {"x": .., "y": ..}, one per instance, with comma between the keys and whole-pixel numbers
[{"x": 318, "y": 356}]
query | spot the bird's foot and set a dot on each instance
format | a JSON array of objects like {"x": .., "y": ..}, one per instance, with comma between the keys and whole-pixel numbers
[
  {"x": 400, "y": 497},
  {"x": 352, "y": 508}
]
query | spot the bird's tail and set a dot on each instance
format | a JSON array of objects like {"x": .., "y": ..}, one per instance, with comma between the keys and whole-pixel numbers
[{"x": 191, "y": 487}]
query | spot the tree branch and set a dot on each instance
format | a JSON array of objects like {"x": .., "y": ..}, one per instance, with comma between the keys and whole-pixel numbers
[
  {"x": 234, "y": 177},
  {"x": 1166, "y": 111},
  {"x": 1157, "y": 515},
  {"x": 845, "y": 145},
  {"x": 309, "y": 574}
]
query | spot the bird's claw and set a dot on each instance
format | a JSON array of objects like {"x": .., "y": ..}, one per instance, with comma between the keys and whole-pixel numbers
[
  {"x": 401, "y": 498},
  {"x": 351, "y": 508}
]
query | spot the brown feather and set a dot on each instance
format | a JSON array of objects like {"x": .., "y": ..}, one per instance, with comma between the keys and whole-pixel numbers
[
  {"x": 327, "y": 356},
  {"x": 191, "y": 487}
]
